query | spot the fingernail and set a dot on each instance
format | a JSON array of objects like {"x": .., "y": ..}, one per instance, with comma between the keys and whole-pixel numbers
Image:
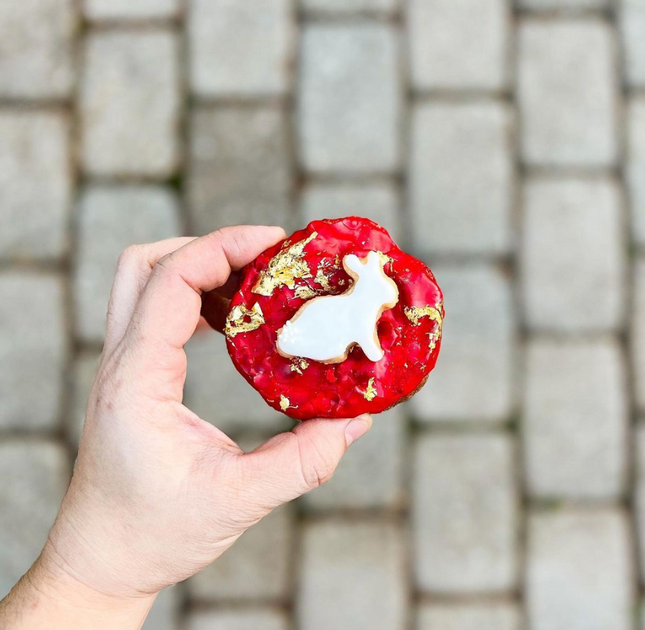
[{"x": 357, "y": 428}]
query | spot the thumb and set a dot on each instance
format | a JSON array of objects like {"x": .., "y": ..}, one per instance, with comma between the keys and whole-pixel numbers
[{"x": 293, "y": 463}]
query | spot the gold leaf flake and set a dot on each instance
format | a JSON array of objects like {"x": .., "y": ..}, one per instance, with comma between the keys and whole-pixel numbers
[
  {"x": 322, "y": 280},
  {"x": 284, "y": 402},
  {"x": 284, "y": 268},
  {"x": 433, "y": 338},
  {"x": 415, "y": 313},
  {"x": 298, "y": 365},
  {"x": 236, "y": 322},
  {"x": 304, "y": 292},
  {"x": 385, "y": 258},
  {"x": 370, "y": 393}
]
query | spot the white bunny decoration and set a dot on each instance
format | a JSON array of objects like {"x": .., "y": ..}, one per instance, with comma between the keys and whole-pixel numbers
[{"x": 327, "y": 327}]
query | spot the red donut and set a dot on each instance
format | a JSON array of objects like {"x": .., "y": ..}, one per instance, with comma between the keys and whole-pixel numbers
[{"x": 308, "y": 265}]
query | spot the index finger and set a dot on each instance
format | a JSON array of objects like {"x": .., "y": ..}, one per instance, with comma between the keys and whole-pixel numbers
[{"x": 169, "y": 307}]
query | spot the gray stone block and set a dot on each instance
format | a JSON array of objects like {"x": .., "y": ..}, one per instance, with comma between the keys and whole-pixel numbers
[
  {"x": 465, "y": 514},
  {"x": 109, "y": 220},
  {"x": 474, "y": 376},
  {"x": 239, "y": 171},
  {"x": 109, "y": 10},
  {"x": 573, "y": 248},
  {"x": 216, "y": 392},
  {"x": 256, "y": 567},
  {"x": 456, "y": 45},
  {"x": 461, "y": 178},
  {"x": 631, "y": 20},
  {"x": 568, "y": 93},
  {"x": 350, "y": 98},
  {"x": 350, "y": 7},
  {"x": 129, "y": 103},
  {"x": 575, "y": 420},
  {"x": 36, "y": 49},
  {"x": 236, "y": 619},
  {"x": 352, "y": 575},
  {"x": 494, "y": 616},
  {"x": 567, "y": 6},
  {"x": 639, "y": 495},
  {"x": 579, "y": 571},
  {"x": 240, "y": 48},
  {"x": 35, "y": 184},
  {"x": 34, "y": 479},
  {"x": 378, "y": 201},
  {"x": 33, "y": 350},
  {"x": 637, "y": 340},
  {"x": 371, "y": 474},
  {"x": 636, "y": 166}
]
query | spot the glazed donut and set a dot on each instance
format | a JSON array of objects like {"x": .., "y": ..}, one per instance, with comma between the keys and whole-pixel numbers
[{"x": 335, "y": 321}]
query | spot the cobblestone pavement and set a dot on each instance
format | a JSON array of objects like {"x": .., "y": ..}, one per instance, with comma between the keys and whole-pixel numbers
[{"x": 503, "y": 144}]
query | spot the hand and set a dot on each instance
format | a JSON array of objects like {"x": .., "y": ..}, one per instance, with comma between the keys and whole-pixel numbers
[{"x": 158, "y": 493}]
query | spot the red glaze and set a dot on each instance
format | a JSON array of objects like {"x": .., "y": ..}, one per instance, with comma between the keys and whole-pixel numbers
[{"x": 337, "y": 391}]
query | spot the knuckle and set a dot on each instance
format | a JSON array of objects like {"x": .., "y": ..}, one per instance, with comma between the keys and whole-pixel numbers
[
  {"x": 317, "y": 470},
  {"x": 130, "y": 256}
]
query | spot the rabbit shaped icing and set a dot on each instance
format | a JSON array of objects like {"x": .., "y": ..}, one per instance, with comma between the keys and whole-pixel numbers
[{"x": 327, "y": 327}]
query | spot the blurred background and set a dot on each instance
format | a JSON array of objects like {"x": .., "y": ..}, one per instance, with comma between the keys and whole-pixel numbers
[{"x": 502, "y": 143}]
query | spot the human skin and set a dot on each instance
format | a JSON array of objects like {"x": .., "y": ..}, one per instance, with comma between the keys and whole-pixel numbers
[{"x": 158, "y": 493}]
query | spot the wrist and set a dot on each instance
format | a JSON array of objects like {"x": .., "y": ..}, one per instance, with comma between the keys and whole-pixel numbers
[{"x": 49, "y": 596}]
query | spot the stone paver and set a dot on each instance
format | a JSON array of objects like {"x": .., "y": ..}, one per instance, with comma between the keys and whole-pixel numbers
[
  {"x": 235, "y": 619},
  {"x": 36, "y": 43},
  {"x": 239, "y": 171},
  {"x": 632, "y": 28},
  {"x": 109, "y": 220},
  {"x": 579, "y": 571},
  {"x": 350, "y": 7},
  {"x": 568, "y": 6},
  {"x": 378, "y": 201},
  {"x": 501, "y": 616},
  {"x": 637, "y": 340},
  {"x": 129, "y": 103},
  {"x": 240, "y": 48},
  {"x": 256, "y": 567},
  {"x": 451, "y": 145},
  {"x": 371, "y": 473},
  {"x": 34, "y": 479},
  {"x": 573, "y": 248},
  {"x": 640, "y": 494},
  {"x": 216, "y": 392},
  {"x": 464, "y": 516},
  {"x": 352, "y": 576},
  {"x": 85, "y": 366},
  {"x": 33, "y": 350},
  {"x": 35, "y": 184},
  {"x": 349, "y": 98},
  {"x": 478, "y": 331},
  {"x": 456, "y": 45},
  {"x": 165, "y": 612},
  {"x": 636, "y": 167},
  {"x": 109, "y": 10},
  {"x": 575, "y": 420},
  {"x": 567, "y": 93}
]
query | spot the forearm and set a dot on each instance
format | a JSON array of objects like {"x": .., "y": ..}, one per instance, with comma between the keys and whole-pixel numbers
[{"x": 48, "y": 597}]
